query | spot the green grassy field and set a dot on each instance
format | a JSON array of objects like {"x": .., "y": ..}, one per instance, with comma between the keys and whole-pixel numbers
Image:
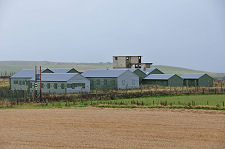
[
  {"x": 215, "y": 102},
  {"x": 202, "y": 100}
]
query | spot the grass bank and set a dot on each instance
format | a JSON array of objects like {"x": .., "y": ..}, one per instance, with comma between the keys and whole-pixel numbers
[{"x": 208, "y": 102}]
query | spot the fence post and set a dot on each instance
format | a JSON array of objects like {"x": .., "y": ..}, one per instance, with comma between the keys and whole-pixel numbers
[{"x": 221, "y": 86}]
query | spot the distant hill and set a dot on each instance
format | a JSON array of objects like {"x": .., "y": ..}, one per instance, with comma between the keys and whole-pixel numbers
[{"x": 14, "y": 66}]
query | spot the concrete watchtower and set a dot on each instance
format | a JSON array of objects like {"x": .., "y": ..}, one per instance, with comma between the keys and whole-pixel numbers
[{"x": 129, "y": 62}]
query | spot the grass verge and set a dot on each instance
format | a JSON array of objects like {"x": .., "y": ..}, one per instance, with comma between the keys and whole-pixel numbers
[{"x": 206, "y": 102}]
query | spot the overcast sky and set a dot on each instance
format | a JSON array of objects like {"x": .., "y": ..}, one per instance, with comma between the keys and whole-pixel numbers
[{"x": 185, "y": 33}]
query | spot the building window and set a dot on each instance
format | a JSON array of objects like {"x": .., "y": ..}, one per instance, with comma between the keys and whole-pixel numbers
[
  {"x": 105, "y": 82},
  {"x": 123, "y": 82},
  {"x": 127, "y": 58},
  {"x": 62, "y": 86},
  {"x": 116, "y": 58},
  {"x": 15, "y": 82},
  {"x": 48, "y": 86},
  {"x": 139, "y": 59},
  {"x": 55, "y": 85},
  {"x": 29, "y": 85},
  {"x": 83, "y": 85},
  {"x": 69, "y": 86},
  {"x": 98, "y": 82},
  {"x": 78, "y": 85},
  {"x": 113, "y": 82},
  {"x": 42, "y": 85}
]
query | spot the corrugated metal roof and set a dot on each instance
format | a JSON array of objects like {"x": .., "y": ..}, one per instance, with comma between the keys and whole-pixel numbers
[
  {"x": 107, "y": 73},
  {"x": 56, "y": 77},
  {"x": 60, "y": 70},
  {"x": 26, "y": 73},
  {"x": 158, "y": 76},
  {"x": 130, "y": 69},
  {"x": 192, "y": 76},
  {"x": 148, "y": 70}
]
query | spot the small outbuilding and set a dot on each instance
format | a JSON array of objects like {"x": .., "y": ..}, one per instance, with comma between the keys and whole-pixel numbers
[
  {"x": 163, "y": 80},
  {"x": 103, "y": 79},
  {"x": 197, "y": 80}
]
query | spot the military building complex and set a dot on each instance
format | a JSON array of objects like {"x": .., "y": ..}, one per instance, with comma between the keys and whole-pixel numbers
[{"x": 128, "y": 72}]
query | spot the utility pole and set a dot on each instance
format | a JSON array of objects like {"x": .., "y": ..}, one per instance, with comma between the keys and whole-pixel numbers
[
  {"x": 40, "y": 86},
  {"x": 35, "y": 83}
]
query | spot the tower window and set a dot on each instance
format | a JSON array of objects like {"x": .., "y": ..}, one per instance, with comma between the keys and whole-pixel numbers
[
  {"x": 127, "y": 58},
  {"x": 139, "y": 59},
  {"x": 116, "y": 58}
]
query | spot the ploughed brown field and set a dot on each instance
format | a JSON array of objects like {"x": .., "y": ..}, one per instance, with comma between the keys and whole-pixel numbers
[{"x": 111, "y": 128}]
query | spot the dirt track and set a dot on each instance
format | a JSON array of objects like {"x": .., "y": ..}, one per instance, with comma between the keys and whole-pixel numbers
[{"x": 111, "y": 128}]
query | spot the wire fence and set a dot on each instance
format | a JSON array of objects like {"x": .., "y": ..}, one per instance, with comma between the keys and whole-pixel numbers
[{"x": 144, "y": 91}]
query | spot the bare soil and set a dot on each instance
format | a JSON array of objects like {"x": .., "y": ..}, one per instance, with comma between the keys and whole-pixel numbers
[{"x": 111, "y": 128}]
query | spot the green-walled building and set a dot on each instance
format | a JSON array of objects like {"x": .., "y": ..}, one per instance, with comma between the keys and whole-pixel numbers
[
  {"x": 197, "y": 80},
  {"x": 163, "y": 80},
  {"x": 105, "y": 79},
  {"x": 61, "y": 83}
]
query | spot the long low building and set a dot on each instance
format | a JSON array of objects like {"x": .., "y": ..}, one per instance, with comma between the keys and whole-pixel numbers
[
  {"x": 163, "y": 80},
  {"x": 22, "y": 79},
  {"x": 197, "y": 80},
  {"x": 103, "y": 79},
  {"x": 61, "y": 83}
]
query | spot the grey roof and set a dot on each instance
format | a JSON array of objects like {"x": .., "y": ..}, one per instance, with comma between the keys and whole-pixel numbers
[
  {"x": 148, "y": 70},
  {"x": 60, "y": 70},
  {"x": 56, "y": 77},
  {"x": 192, "y": 76},
  {"x": 103, "y": 73},
  {"x": 159, "y": 76},
  {"x": 26, "y": 73},
  {"x": 130, "y": 69}
]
